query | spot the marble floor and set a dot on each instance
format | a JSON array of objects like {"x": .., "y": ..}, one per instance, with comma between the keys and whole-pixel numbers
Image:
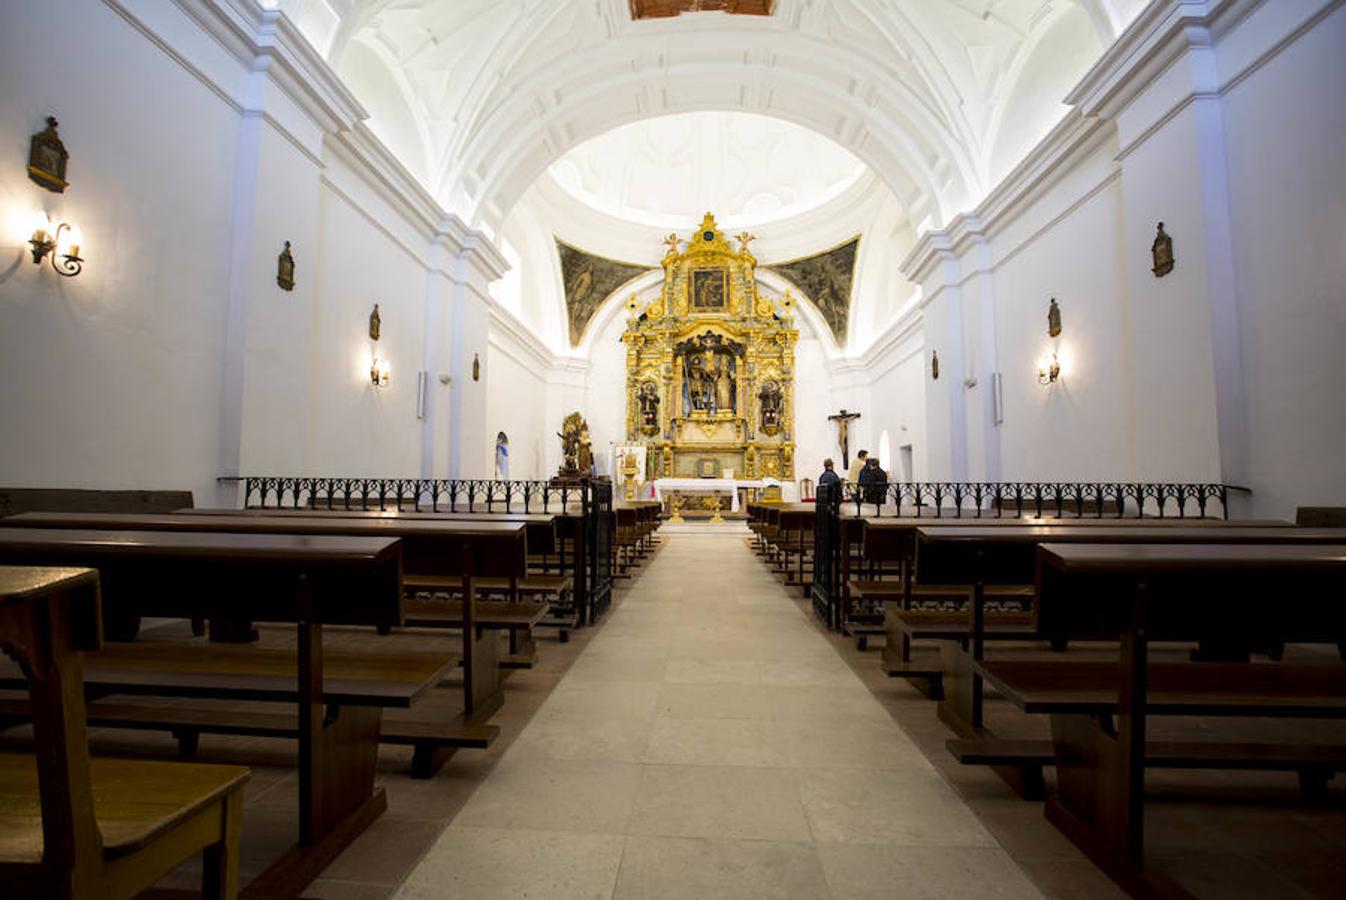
[{"x": 709, "y": 741}]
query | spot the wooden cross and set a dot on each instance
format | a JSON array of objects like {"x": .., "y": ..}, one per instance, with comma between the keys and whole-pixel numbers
[{"x": 843, "y": 420}]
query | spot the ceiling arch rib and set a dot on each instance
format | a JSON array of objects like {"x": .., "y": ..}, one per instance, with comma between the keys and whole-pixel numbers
[
  {"x": 894, "y": 132},
  {"x": 918, "y": 87}
]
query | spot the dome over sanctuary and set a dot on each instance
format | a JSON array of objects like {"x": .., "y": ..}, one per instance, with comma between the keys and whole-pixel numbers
[
  {"x": 870, "y": 435},
  {"x": 669, "y": 170}
]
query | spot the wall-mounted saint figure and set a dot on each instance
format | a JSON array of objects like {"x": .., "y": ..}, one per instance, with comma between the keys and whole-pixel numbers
[
  {"x": 1053, "y": 319},
  {"x": 285, "y": 269},
  {"x": 1162, "y": 251}
]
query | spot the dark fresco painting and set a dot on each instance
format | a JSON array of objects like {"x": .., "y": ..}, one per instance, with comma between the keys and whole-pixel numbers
[
  {"x": 826, "y": 279},
  {"x": 589, "y": 280}
]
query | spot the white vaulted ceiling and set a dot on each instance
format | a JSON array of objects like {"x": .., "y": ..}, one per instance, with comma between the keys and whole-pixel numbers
[{"x": 939, "y": 97}]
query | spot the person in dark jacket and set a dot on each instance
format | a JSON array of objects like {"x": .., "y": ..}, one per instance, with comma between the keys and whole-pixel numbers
[
  {"x": 873, "y": 481},
  {"x": 828, "y": 476}
]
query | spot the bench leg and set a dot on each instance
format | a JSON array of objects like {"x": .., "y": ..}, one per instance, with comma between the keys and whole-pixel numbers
[
  {"x": 219, "y": 862},
  {"x": 189, "y": 742}
]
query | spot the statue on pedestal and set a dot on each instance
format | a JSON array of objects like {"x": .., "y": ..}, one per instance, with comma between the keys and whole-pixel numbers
[{"x": 576, "y": 452}]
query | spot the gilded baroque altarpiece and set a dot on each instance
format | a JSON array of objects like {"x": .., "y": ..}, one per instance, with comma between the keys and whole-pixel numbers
[{"x": 710, "y": 366}]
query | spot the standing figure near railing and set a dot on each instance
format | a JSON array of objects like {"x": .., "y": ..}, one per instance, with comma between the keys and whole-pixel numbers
[
  {"x": 873, "y": 482},
  {"x": 853, "y": 476}
]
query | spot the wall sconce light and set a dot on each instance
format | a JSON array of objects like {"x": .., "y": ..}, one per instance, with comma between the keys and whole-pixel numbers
[
  {"x": 44, "y": 241},
  {"x": 379, "y": 372},
  {"x": 1049, "y": 369}
]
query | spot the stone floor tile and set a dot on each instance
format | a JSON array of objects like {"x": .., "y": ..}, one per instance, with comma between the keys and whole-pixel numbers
[
  {"x": 923, "y": 873},
  {"x": 554, "y": 795},
  {"x": 719, "y": 802},
  {"x": 698, "y": 868},
  {"x": 484, "y": 863},
  {"x": 904, "y": 807}
]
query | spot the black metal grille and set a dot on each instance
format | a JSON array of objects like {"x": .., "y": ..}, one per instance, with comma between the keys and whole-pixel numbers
[
  {"x": 465, "y": 495},
  {"x": 431, "y": 494},
  {"x": 826, "y": 548},
  {"x": 958, "y": 499},
  {"x": 1037, "y": 498}
]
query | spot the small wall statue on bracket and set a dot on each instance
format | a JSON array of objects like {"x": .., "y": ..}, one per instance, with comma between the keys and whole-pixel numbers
[
  {"x": 285, "y": 269},
  {"x": 1162, "y": 251},
  {"x": 47, "y": 158}
]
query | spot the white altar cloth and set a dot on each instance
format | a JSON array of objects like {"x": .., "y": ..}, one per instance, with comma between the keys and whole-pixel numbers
[{"x": 728, "y": 486}]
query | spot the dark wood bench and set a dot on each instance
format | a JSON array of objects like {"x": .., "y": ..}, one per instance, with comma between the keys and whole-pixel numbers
[
  {"x": 1005, "y": 553},
  {"x": 71, "y": 826},
  {"x": 306, "y": 581},
  {"x": 456, "y": 549},
  {"x": 1138, "y": 593},
  {"x": 516, "y": 619}
]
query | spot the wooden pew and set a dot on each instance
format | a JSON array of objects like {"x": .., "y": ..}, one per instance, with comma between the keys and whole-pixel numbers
[
  {"x": 892, "y": 541},
  {"x": 307, "y": 581},
  {"x": 102, "y": 829},
  {"x": 541, "y": 536},
  {"x": 457, "y": 551},
  {"x": 1138, "y": 593},
  {"x": 993, "y": 558},
  {"x": 795, "y": 542}
]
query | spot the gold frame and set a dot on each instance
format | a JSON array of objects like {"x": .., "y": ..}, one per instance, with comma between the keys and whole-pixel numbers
[{"x": 694, "y": 276}]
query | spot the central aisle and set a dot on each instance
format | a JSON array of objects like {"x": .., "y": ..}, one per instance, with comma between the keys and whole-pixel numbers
[{"x": 710, "y": 743}]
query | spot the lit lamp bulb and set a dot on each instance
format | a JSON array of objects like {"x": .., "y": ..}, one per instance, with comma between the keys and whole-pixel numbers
[
  {"x": 379, "y": 373},
  {"x": 69, "y": 246},
  {"x": 1049, "y": 369},
  {"x": 41, "y": 228}
]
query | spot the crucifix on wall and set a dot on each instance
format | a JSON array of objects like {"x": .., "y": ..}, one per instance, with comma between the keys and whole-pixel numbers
[{"x": 843, "y": 420}]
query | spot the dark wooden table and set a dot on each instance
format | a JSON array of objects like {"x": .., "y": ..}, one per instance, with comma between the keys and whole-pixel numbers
[{"x": 308, "y": 580}]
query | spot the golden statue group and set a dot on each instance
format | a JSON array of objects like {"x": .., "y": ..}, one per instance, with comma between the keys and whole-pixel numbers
[{"x": 710, "y": 365}]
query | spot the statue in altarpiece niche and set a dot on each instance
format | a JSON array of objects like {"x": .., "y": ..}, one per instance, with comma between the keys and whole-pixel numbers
[
  {"x": 724, "y": 387},
  {"x": 769, "y": 400},
  {"x": 649, "y": 407}
]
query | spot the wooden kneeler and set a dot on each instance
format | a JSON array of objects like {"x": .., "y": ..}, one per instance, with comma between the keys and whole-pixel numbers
[{"x": 72, "y": 827}]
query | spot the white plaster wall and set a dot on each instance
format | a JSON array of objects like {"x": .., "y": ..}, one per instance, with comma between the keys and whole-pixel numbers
[
  {"x": 1286, "y": 126},
  {"x": 113, "y": 377},
  {"x": 1080, "y": 427}
]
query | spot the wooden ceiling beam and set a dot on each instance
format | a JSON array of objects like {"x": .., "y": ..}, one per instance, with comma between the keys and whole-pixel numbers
[{"x": 662, "y": 9}]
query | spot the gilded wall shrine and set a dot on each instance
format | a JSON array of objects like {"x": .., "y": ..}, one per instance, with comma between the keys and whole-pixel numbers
[{"x": 710, "y": 366}]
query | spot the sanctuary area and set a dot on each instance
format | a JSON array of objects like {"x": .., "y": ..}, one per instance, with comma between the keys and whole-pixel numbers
[{"x": 672, "y": 448}]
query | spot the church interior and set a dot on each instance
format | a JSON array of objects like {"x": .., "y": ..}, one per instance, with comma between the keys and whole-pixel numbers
[{"x": 672, "y": 448}]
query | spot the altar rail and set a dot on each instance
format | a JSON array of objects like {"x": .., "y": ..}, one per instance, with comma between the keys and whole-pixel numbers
[
  {"x": 1038, "y": 498},
  {"x": 956, "y": 499},
  {"x": 591, "y": 500}
]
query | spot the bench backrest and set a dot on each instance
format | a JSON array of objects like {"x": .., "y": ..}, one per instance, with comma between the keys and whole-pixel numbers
[
  {"x": 21, "y": 500},
  {"x": 46, "y": 618}
]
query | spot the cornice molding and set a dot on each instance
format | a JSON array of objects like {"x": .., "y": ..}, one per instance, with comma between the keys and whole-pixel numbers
[
  {"x": 381, "y": 170},
  {"x": 514, "y": 339},
  {"x": 266, "y": 41},
  {"x": 1156, "y": 39}
]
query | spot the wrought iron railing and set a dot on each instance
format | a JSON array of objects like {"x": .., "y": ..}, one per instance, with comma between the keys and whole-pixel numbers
[
  {"x": 957, "y": 499},
  {"x": 430, "y": 494},
  {"x": 1118, "y": 499},
  {"x": 592, "y": 545},
  {"x": 826, "y": 552}
]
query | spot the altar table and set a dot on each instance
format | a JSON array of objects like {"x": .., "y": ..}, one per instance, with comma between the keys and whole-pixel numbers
[{"x": 728, "y": 486}]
